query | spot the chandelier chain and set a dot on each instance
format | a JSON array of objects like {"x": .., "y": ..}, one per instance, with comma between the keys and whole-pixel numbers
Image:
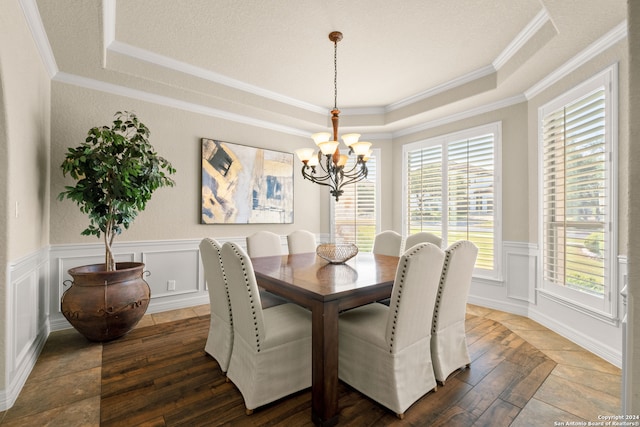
[{"x": 335, "y": 74}]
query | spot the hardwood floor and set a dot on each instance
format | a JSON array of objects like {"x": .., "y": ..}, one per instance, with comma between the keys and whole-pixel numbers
[{"x": 521, "y": 374}]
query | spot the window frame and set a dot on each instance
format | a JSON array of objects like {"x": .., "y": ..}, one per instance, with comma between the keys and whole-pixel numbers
[
  {"x": 606, "y": 307},
  {"x": 494, "y": 128},
  {"x": 377, "y": 154}
]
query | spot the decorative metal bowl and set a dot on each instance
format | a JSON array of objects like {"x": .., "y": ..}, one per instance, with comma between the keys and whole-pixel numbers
[{"x": 337, "y": 253}]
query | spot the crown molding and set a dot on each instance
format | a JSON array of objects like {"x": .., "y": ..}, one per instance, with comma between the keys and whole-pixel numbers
[
  {"x": 516, "y": 44},
  {"x": 617, "y": 34},
  {"x": 451, "y": 84},
  {"x": 34, "y": 22},
  {"x": 522, "y": 38},
  {"x": 108, "y": 27},
  {"x": 192, "y": 70},
  {"x": 362, "y": 111},
  {"x": 111, "y": 44},
  {"x": 127, "y": 92},
  {"x": 36, "y": 27}
]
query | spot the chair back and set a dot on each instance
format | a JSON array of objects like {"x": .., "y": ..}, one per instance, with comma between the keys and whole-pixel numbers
[
  {"x": 248, "y": 320},
  {"x": 422, "y": 237},
  {"x": 301, "y": 241},
  {"x": 263, "y": 243},
  {"x": 216, "y": 279},
  {"x": 387, "y": 243},
  {"x": 413, "y": 296},
  {"x": 455, "y": 280}
]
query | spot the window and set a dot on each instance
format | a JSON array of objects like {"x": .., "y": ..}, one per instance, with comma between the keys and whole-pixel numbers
[
  {"x": 355, "y": 216},
  {"x": 452, "y": 190},
  {"x": 577, "y": 198}
]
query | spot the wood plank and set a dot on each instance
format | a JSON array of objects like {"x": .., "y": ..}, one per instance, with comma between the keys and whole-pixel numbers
[
  {"x": 160, "y": 376},
  {"x": 499, "y": 414}
]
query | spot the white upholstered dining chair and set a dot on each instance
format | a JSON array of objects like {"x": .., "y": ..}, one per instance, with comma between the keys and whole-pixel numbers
[
  {"x": 387, "y": 242},
  {"x": 271, "y": 355},
  {"x": 384, "y": 352},
  {"x": 220, "y": 338},
  {"x": 263, "y": 243},
  {"x": 301, "y": 241},
  {"x": 448, "y": 336},
  {"x": 422, "y": 237}
]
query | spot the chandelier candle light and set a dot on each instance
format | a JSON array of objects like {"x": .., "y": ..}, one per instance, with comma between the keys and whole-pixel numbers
[{"x": 328, "y": 158}]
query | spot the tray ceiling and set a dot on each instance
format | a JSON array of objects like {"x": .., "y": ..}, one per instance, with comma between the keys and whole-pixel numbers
[{"x": 400, "y": 62}]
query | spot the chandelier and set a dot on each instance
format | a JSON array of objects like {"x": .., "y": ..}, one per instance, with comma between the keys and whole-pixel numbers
[{"x": 328, "y": 166}]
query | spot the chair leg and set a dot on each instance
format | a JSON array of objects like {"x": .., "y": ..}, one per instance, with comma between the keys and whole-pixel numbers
[
  {"x": 400, "y": 416},
  {"x": 226, "y": 379},
  {"x": 248, "y": 411}
]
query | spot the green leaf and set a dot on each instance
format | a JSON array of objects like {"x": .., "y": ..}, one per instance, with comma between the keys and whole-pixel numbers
[{"x": 116, "y": 171}]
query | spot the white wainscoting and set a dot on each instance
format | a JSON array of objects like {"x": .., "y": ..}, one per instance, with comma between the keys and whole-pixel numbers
[
  {"x": 511, "y": 294},
  {"x": 27, "y": 314},
  {"x": 36, "y": 283},
  {"x": 165, "y": 260}
]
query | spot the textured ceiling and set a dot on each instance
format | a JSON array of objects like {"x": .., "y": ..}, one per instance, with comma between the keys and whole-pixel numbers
[{"x": 398, "y": 61}]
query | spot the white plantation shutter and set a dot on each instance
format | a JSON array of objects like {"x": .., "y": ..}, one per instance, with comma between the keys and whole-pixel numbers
[
  {"x": 574, "y": 174},
  {"x": 578, "y": 200},
  {"x": 471, "y": 193},
  {"x": 424, "y": 190},
  {"x": 451, "y": 191},
  {"x": 354, "y": 215}
]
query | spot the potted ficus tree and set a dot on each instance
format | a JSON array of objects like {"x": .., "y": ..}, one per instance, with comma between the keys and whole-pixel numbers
[{"x": 116, "y": 170}]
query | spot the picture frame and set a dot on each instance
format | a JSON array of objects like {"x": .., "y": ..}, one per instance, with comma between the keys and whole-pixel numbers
[{"x": 245, "y": 185}]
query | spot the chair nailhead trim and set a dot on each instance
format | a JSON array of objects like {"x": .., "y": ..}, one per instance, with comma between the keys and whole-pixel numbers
[
  {"x": 443, "y": 278},
  {"x": 224, "y": 277},
  {"x": 251, "y": 298},
  {"x": 403, "y": 275}
]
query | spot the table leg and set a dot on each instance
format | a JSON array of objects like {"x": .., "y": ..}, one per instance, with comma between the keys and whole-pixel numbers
[{"x": 324, "y": 391}]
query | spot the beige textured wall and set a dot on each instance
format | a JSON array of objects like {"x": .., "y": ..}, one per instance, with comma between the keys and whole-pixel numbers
[
  {"x": 172, "y": 213},
  {"x": 24, "y": 152},
  {"x": 633, "y": 375},
  {"x": 4, "y": 224},
  {"x": 514, "y": 166},
  {"x": 26, "y": 102}
]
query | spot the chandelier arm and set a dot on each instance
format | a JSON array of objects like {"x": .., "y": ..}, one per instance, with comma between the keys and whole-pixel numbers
[
  {"x": 352, "y": 180},
  {"x": 328, "y": 170},
  {"x": 361, "y": 174},
  {"x": 312, "y": 176},
  {"x": 314, "y": 179},
  {"x": 355, "y": 177},
  {"x": 361, "y": 165},
  {"x": 331, "y": 184},
  {"x": 339, "y": 188}
]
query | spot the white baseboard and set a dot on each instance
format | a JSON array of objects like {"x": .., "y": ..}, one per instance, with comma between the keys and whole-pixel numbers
[{"x": 581, "y": 338}]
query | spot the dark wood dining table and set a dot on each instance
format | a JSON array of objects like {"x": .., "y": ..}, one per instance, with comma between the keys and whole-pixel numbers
[{"x": 326, "y": 289}]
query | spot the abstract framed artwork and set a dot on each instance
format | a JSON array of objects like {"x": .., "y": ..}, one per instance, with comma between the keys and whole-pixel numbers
[{"x": 245, "y": 185}]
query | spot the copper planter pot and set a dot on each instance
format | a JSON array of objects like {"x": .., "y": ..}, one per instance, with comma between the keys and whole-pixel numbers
[{"x": 105, "y": 305}]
